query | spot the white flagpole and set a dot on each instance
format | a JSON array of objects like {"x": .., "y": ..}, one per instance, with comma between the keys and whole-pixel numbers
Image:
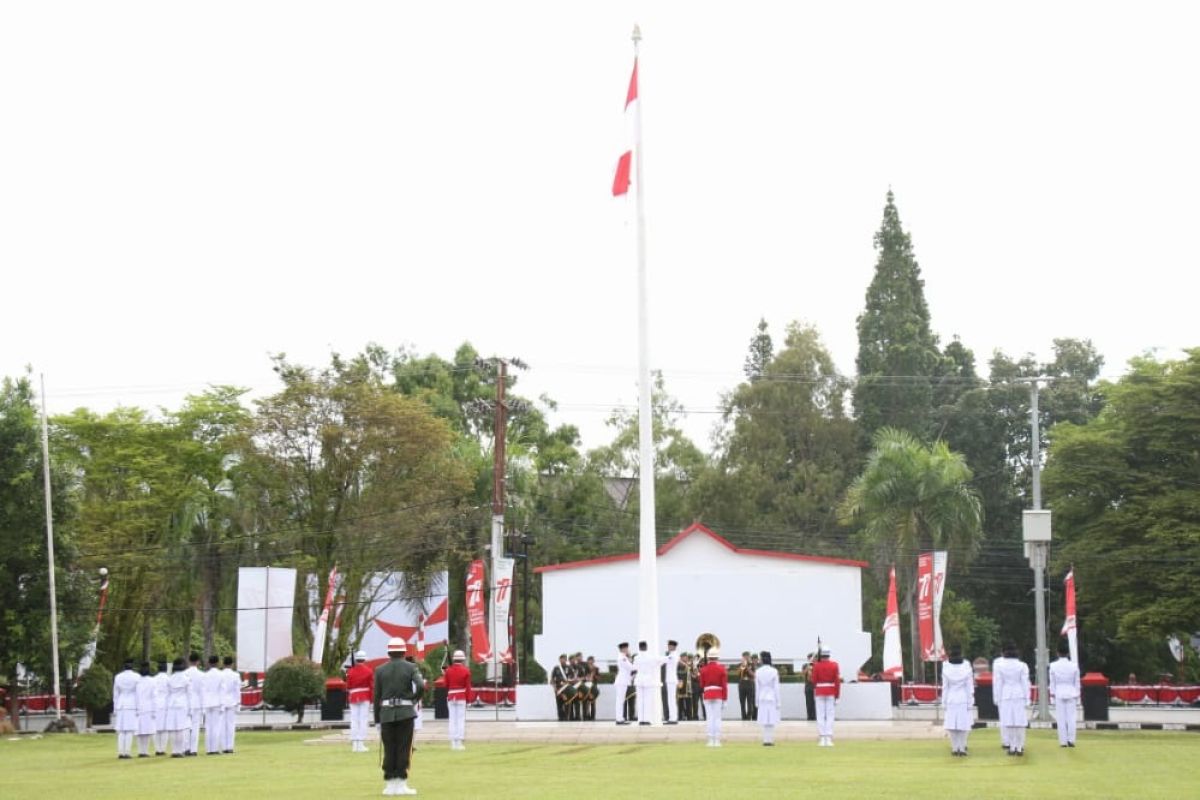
[
  {"x": 647, "y": 543},
  {"x": 50, "y": 548}
]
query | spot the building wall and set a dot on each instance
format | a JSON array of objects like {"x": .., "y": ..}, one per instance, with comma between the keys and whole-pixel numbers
[{"x": 750, "y": 602}]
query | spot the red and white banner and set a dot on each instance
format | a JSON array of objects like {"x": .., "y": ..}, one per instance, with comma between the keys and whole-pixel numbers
[
  {"x": 318, "y": 647},
  {"x": 501, "y": 602},
  {"x": 931, "y": 577},
  {"x": 477, "y": 612},
  {"x": 623, "y": 176},
  {"x": 893, "y": 664},
  {"x": 89, "y": 652},
  {"x": 1068, "y": 629}
]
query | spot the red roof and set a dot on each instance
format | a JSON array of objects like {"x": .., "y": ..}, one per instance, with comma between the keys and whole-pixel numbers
[{"x": 696, "y": 527}]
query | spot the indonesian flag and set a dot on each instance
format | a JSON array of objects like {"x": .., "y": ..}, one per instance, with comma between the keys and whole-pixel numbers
[
  {"x": 1068, "y": 628},
  {"x": 893, "y": 664},
  {"x": 481, "y": 649},
  {"x": 622, "y": 178},
  {"x": 318, "y": 646},
  {"x": 421, "y": 637}
]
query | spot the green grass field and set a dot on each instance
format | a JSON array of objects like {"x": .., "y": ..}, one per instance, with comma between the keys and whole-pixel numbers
[{"x": 267, "y": 765}]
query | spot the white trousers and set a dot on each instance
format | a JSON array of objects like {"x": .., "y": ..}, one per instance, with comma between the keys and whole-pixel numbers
[
  {"x": 825, "y": 706},
  {"x": 1064, "y": 715},
  {"x": 712, "y": 712},
  {"x": 359, "y": 714},
  {"x": 672, "y": 702},
  {"x": 620, "y": 690},
  {"x": 144, "y": 743},
  {"x": 180, "y": 741},
  {"x": 458, "y": 719},
  {"x": 124, "y": 743},
  {"x": 768, "y": 734},
  {"x": 958, "y": 741},
  {"x": 230, "y": 727},
  {"x": 214, "y": 729},
  {"x": 194, "y": 739},
  {"x": 1015, "y": 738},
  {"x": 645, "y": 697}
]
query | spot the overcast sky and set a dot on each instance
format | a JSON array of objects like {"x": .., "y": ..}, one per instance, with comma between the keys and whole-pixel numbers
[{"x": 186, "y": 188}]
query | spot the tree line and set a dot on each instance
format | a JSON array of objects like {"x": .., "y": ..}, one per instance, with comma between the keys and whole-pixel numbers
[{"x": 382, "y": 461}]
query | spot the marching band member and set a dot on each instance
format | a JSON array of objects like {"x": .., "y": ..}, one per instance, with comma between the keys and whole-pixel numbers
[
  {"x": 360, "y": 679},
  {"x": 125, "y": 707},
  {"x": 1010, "y": 685},
  {"x": 827, "y": 688},
  {"x": 768, "y": 698},
  {"x": 458, "y": 695},
  {"x": 625, "y": 672},
  {"x": 958, "y": 695},
  {"x": 746, "y": 686},
  {"x": 1064, "y": 692},
  {"x": 590, "y": 689},
  {"x": 671, "y": 683},
  {"x": 714, "y": 682},
  {"x": 560, "y": 680}
]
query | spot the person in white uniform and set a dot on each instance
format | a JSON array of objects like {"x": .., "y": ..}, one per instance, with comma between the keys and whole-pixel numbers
[
  {"x": 958, "y": 695},
  {"x": 1010, "y": 684},
  {"x": 146, "y": 703},
  {"x": 648, "y": 665},
  {"x": 996, "y": 699},
  {"x": 195, "y": 703},
  {"x": 160, "y": 709},
  {"x": 231, "y": 700},
  {"x": 177, "y": 720},
  {"x": 621, "y": 684},
  {"x": 125, "y": 709},
  {"x": 671, "y": 683},
  {"x": 1064, "y": 693},
  {"x": 768, "y": 697},
  {"x": 214, "y": 708}
]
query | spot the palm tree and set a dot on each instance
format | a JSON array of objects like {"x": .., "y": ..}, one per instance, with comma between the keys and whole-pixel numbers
[{"x": 912, "y": 497}]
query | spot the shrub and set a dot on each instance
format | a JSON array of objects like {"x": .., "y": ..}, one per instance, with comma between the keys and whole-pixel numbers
[
  {"x": 292, "y": 683},
  {"x": 94, "y": 691}
]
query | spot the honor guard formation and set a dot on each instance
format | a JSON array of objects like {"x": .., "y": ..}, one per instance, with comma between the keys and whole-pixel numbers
[{"x": 169, "y": 707}]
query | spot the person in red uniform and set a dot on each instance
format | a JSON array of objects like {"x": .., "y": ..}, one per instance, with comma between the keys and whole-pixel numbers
[
  {"x": 714, "y": 688},
  {"x": 360, "y": 682},
  {"x": 827, "y": 688},
  {"x": 458, "y": 694}
]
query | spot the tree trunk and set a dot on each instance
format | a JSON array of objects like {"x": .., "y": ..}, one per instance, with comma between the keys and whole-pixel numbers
[
  {"x": 208, "y": 612},
  {"x": 146, "y": 635}
]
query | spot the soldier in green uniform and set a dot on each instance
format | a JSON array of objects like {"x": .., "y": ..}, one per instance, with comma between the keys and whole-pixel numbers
[{"x": 398, "y": 687}]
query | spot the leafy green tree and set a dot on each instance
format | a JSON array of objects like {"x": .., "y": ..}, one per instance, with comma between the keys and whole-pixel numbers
[
  {"x": 898, "y": 355},
  {"x": 292, "y": 683},
  {"x": 762, "y": 350},
  {"x": 1123, "y": 489},
  {"x": 94, "y": 691},
  {"x": 910, "y": 498},
  {"x": 786, "y": 455}
]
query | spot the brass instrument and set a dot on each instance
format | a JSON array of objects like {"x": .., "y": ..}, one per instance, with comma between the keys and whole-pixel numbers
[{"x": 706, "y": 642}]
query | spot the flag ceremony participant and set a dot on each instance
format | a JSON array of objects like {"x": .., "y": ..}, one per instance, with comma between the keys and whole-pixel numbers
[
  {"x": 125, "y": 708},
  {"x": 214, "y": 708},
  {"x": 958, "y": 695},
  {"x": 160, "y": 709},
  {"x": 231, "y": 699},
  {"x": 714, "y": 689},
  {"x": 146, "y": 702},
  {"x": 458, "y": 695},
  {"x": 1064, "y": 693},
  {"x": 1010, "y": 684},
  {"x": 646, "y": 682},
  {"x": 827, "y": 688},
  {"x": 746, "y": 686},
  {"x": 178, "y": 722},
  {"x": 560, "y": 680},
  {"x": 360, "y": 682},
  {"x": 996, "y": 697},
  {"x": 621, "y": 684},
  {"x": 398, "y": 687},
  {"x": 768, "y": 697},
  {"x": 671, "y": 684},
  {"x": 195, "y": 703}
]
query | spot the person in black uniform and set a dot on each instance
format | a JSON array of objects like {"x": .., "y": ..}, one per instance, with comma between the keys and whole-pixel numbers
[
  {"x": 591, "y": 688},
  {"x": 559, "y": 679},
  {"x": 746, "y": 686},
  {"x": 398, "y": 689}
]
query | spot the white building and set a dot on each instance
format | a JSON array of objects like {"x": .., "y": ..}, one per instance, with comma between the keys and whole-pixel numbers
[{"x": 751, "y": 599}]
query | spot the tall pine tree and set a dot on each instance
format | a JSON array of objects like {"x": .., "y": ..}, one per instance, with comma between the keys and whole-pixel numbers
[{"x": 898, "y": 355}]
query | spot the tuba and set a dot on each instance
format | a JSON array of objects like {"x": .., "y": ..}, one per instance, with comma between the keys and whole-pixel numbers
[{"x": 706, "y": 642}]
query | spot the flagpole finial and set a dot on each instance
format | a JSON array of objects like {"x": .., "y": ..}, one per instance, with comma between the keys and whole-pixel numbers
[{"x": 637, "y": 34}]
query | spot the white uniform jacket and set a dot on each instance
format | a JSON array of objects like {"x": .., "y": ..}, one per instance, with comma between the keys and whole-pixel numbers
[
  {"x": 672, "y": 659},
  {"x": 231, "y": 688},
  {"x": 1064, "y": 679},
  {"x": 624, "y": 670},
  {"x": 125, "y": 691},
  {"x": 210, "y": 688}
]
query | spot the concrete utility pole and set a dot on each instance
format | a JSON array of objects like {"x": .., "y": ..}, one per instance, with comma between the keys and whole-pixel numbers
[
  {"x": 1036, "y": 534},
  {"x": 50, "y": 549}
]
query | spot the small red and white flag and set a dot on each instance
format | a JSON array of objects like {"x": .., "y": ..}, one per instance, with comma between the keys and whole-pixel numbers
[
  {"x": 623, "y": 176},
  {"x": 1069, "y": 624}
]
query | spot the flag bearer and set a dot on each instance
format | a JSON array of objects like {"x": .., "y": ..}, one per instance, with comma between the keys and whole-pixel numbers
[
  {"x": 827, "y": 688},
  {"x": 214, "y": 708},
  {"x": 671, "y": 683},
  {"x": 768, "y": 698},
  {"x": 231, "y": 700},
  {"x": 958, "y": 695},
  {"x": 459, "y": 695},
  {"x": 360, "y": 680},
  {"x": 125, "y": 707},
  {"x": 195, "y": 678},
  {"x": 1064, "y": 692},
  {"x": 178, "y": 723},
  {"x": 398, "y": 687},
  {"x": 160, "y": 709},
  {"x": 648, "y": 665},
  {"x": 146, "y": 693},
  {"x": 621, "y": 684},
  {"x": 1010, "y": 684}
]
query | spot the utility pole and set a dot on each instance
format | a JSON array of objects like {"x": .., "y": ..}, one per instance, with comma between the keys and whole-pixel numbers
[
  {"x": 1036, "y": 535},
  {"x": 50, "y": 549}
]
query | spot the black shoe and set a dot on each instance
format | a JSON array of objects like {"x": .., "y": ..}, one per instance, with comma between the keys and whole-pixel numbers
[
  {"x": 768, "y": 744},
  {"x": 176, "y": 755},
  {"x": 622, "y": 722},
  {"x": 143, "y": 755},
  {"x": 214, "y": 753},
  {"x": 227, "y": 751},
  {"x": 672, "y": 722},
  {"x": 1070, "y": 744},
  {"x": 643, "y": 722}
]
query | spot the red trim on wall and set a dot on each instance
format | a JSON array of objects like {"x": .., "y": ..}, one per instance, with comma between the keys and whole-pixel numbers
[{"x": 696, "y": 527}]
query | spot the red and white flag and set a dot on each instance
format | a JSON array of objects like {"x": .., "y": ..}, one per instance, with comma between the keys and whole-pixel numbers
[
  {"x": 481, "y": 651},
  {"x": 318, "y": 646},
  {"x": 931, "y": 578},
  {"x": 624, "y": 174},
  {"x": 1068, "y": 628},
  {"x": 893, "y": 664}
]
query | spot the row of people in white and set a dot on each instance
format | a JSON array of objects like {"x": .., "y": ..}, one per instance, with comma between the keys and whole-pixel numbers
[
  {"x": 171, "y": 706},
  {"x": 642, "y": 670}
]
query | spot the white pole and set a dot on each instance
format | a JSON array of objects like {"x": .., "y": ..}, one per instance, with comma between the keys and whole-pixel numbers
[
  {"x": 647, "y": 543},
  {"x": 50, "y": 546},
  {"x": 266, "y": 639}
]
